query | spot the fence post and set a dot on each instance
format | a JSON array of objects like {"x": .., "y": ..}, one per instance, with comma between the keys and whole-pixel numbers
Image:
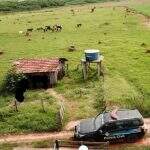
[{"x": 61, "y": 114}]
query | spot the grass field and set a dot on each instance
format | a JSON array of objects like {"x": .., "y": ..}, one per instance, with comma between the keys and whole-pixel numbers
[
  {"x": 31, "y": 117},
  {"x": 142, "y": 7},
  {"x": 126, "y": 63}
]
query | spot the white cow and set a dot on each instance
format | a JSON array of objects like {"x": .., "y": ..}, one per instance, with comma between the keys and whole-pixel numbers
[{"x": 20, "y": 32}]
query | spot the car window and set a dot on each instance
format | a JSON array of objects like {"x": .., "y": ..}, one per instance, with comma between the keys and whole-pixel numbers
[
  {"x": 98, "y": 121},
  {"x": 136, "y": 122},
  {"x": 120, "y": 125},
  {"x": 104, "y": 128},
  {"x": 131, "y": 123},
  {"x": 109, "y": 127}
]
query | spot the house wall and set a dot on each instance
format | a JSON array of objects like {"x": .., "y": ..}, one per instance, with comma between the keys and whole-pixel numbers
[{"x": 53, "y": 78}]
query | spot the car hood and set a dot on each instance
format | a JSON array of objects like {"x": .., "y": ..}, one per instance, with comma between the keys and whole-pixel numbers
[{"x": 86, "y": 126}]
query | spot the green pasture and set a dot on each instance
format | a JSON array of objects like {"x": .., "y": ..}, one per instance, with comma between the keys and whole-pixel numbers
[
  {"x": 142, "y": 8},
  {"x": 120, "y": 40},
  {"x": 31, "y": 117}
]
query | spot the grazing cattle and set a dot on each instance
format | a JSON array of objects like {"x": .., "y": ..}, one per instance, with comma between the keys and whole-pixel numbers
[
  {"x": 144, "y": 44},
  {"x": 48, "y": 27},
  {"x": 57, "y": 28},
  {"x": 129, "y": 11},
  {"x": 63, "y": 60},
  {"x": 73, "y": 12},
  {"x": 54, "y": 28},
  {"x": 30, "y": 30},
  {"x": 38, "y": 29},
  {"x": 99, "y": 42},
  {"x": 44, "y": 29},
  {"x": 21, "y": 87},
  {"x": 27, "y": 34},
  {"x": 93, "y": 9},
  {"x": 79, "y": 25}
]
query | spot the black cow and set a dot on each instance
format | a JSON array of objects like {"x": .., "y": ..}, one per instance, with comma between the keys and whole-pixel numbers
[
  {"x": 48, "y": 27},
  {"x": 19, "y": 95},
  {"x": 57, "y": 27},
  {"x": 21, "y": 87},
  {"x": 30, "y": 30},
  {"x": 40, "y": 28},
  {"x": 63, "y": 60},
  {"x": 93, "y": 9},
  {"x": 79, "y": 25}
]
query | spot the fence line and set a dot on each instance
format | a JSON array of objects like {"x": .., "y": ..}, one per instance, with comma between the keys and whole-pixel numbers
[{"x": 76, "y": 144}]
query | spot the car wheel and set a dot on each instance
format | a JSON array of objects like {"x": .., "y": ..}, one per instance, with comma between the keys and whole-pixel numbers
[{"x": 132, "y": 138}]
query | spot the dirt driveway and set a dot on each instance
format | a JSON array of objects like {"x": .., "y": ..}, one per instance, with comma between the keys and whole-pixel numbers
[{"x": 64, "y": 135}]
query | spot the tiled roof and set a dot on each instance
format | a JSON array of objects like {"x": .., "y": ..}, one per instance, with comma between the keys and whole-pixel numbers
[{"x": 37, "y": 65}]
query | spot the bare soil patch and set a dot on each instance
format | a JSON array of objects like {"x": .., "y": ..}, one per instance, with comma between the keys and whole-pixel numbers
[
  {"x": 35, "y": 137},
  {"x": 70, "y": 126},
  {"x": 146, "y": 21},
  {"x": 71, "y": 105}
]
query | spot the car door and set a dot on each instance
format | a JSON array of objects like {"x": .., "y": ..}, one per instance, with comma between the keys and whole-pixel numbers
[{"x": 108, "y": 131}]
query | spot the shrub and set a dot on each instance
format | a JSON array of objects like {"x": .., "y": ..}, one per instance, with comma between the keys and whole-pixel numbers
[
  {"x": 11, "y": 81},
  {"x": 29, "y": 4}
]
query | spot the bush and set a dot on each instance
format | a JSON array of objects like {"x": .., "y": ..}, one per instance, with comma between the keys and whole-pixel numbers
[
  {"x": 11, "y": 81},
  {"x": 39, "y": 4},
  {"x": 29, "y": 4}
]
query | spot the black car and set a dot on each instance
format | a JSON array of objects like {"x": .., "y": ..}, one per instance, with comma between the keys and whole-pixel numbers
[{"x": 118, "y": 125}]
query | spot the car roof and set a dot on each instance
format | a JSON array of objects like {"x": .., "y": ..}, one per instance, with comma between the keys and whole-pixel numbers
[{"x": 122, "y": 115}]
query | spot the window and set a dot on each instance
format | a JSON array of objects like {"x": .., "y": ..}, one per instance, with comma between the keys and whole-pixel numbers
[
  {"x": 136, "y": 123},
  {"x": 120, "y": 125},
  {"x": 109, "y": 127}
]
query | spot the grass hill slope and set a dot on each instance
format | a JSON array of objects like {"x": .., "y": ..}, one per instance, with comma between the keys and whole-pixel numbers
[{"x": 22, "y": 5}]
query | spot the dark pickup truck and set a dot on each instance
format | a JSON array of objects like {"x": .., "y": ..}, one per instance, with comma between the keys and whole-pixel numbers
[{"x": 119, "y": 125}]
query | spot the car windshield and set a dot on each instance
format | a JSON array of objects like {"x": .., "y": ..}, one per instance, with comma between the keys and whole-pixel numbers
[{"x": 99, "y": 121}]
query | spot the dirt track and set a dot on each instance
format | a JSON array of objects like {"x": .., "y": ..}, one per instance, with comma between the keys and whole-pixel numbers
[{"x": 59, "y": 135}]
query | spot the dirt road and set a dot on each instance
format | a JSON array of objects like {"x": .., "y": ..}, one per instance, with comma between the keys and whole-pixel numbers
[
  {"x": 66, "y": 134},
  {"x": 25, "y": 138}
]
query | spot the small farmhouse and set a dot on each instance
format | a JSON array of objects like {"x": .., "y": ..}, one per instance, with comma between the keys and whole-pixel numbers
[{"x": 41, "y": 73}]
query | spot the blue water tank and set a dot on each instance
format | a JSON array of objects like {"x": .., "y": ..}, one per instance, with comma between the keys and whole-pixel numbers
[{"x": 91, "y": 54}]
